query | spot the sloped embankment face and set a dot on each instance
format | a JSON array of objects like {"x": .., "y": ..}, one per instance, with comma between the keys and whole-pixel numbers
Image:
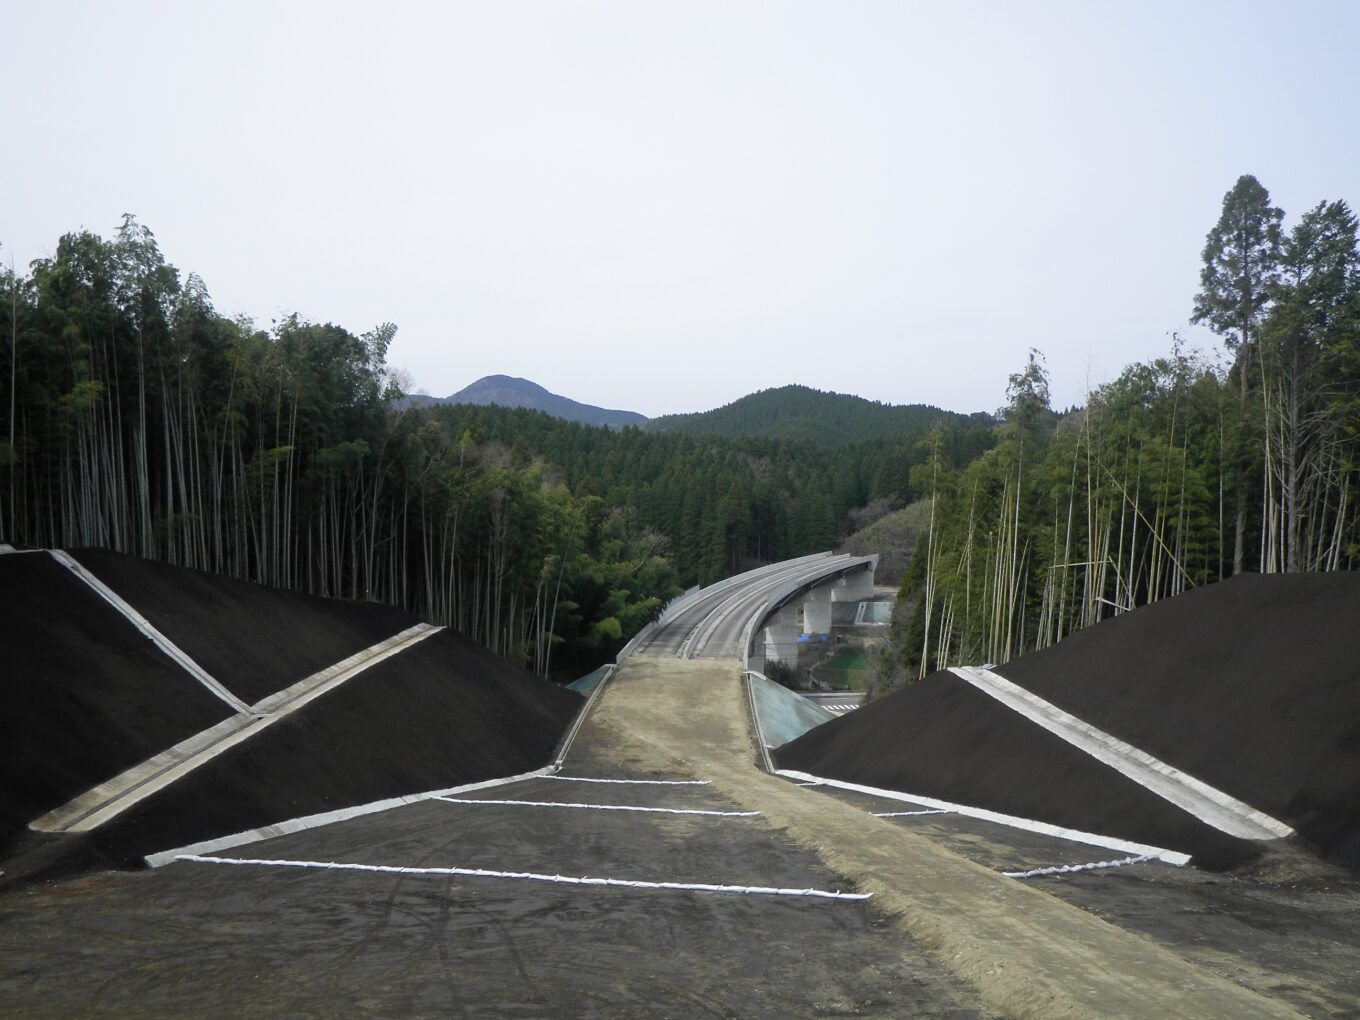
[
  {"x": 86, "y": 695},
  {"x": 254, "y": 640},
  {"x": 1251, "y": 685},
  {"x": 90, "y": 696},
  {"x": 945, "y": 739},
  {"x": 442, "y": 713}
]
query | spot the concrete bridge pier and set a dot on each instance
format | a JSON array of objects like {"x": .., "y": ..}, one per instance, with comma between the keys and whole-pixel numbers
[
  {"x": 854, "y": 587},
  {"x": 817, "y": 611},
  {"x": 781, "y": 637}
]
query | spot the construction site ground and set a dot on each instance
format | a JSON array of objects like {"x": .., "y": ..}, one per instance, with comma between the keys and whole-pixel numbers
[{"x": 943, "y": 934}]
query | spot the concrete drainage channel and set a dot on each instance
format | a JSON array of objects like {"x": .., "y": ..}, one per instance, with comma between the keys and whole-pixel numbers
[
  {"x": 1209, "y": 805},
  {"x": 126, "y": 790}
]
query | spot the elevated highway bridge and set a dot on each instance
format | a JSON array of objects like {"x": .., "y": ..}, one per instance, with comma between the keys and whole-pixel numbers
[{"x": 742, "y": 617}]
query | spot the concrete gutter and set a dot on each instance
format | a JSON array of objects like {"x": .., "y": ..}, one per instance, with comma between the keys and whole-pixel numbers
[
  {"x": 210, "y": 846},
  {"x": 176, "y": 654},
  {"x": 1209, "y": 805},
  {"x": 564, "y": 745}
]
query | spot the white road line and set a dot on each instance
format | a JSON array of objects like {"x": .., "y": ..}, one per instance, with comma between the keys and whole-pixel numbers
[
  {"x": 1028, "y": 824},
  {"x": 1209, "y": 805},
  {"x": 905, "y": 814},
  {"x": 530, "y": 875},
  {"x": 316, "y": 821},
  {"x": 144, "y": 625},
  {"x": 635, "y": 782},
  {"x": 97, "y": 805},
  {"x": 598, "y": 807},
  {"x": 1073, "y": 868}
]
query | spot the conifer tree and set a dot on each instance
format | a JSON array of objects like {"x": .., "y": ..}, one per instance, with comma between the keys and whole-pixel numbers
[{"x": 1241, "y": 267}]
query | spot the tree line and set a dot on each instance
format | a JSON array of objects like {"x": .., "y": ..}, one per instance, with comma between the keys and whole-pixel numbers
[
  {"x": 140, "y": 419},
  {"x": 725, "y": 504},
  {"x": 1177, "y": 474}
]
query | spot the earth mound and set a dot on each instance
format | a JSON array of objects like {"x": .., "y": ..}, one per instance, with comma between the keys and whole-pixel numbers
[
  {"x": 90, "y": 696},
  {"x": 1251, "y": 685}
]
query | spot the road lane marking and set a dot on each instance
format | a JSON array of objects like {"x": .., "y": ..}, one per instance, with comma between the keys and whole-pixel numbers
[
  {"x": 598, "y": 807},
  {"x": 530, "y": 875},
  {"x": 305, "y": 822},
  {"x": 636, "y": 782},
  {"x": 1028, "y": 824}
]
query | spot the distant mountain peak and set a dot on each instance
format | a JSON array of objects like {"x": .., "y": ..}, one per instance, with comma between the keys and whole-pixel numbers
[
  {"x": 511, "y": 382},
  {"x": 512, "y": 391}
]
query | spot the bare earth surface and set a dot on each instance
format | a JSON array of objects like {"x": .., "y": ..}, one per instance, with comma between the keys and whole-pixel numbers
[
  {"x": 1293, "y": 935},
  {"x": 944, "y": 934},
  {"x": 1026, "y": 952},
  {"x": 209, "y": 940}
]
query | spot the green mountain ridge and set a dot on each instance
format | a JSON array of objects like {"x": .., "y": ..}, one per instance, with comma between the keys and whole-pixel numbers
[{"x": 797, "y": 412}]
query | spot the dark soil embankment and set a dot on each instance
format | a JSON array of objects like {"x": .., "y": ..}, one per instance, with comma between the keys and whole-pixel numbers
[
  {"x": 944, "y": 738},
  {"x": 252, "y": 639},
  {"x": 89, "y": 697},
  {"x": 442, "y": 713},
  {"x": 86, "y": 695},
  {"x": 1252, "y": 685}
]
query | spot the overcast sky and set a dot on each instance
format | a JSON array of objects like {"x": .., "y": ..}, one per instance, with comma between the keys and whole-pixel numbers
[{"x": 663, "y": 206}]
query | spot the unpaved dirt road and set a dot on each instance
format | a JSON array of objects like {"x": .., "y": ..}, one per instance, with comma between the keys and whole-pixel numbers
[{"x": 1027, "y": 953}]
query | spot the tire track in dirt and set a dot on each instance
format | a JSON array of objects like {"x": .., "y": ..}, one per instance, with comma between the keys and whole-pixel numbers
[{"x": 1026, "y": 952}]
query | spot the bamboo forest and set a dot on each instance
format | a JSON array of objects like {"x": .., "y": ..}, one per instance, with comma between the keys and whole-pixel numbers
[
  {"x": 139, "y": 419},
  {"x": 1178, "y": 473}
]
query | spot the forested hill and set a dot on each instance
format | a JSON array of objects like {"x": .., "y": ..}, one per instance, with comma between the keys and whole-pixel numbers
[
  {"x": 510, "y": 391},
  {"x": 719, "y": 505},
  {"x": 803, "y": 413}
]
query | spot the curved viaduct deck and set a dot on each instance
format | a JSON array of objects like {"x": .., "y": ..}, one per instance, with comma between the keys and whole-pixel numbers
[{"x": 717, "y": 622}]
